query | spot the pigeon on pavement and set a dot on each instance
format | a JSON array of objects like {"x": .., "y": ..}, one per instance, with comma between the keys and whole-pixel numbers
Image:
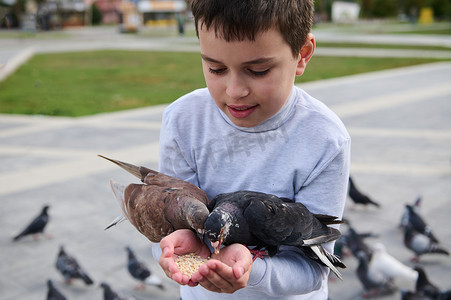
[
  {"x": 421, "y": 244},
  {"x": 382, "y": 262},
  {"x": 355, "y": 241},
  {"x": 427, "y": 288},
  {"x": 109, "y": 294},
  {"x": 417, "y": 222},
  {"x": 53, "y": 293},
  {"x": 70, "y": 268},
  {"x": 141, "y": 272},
  {"x": 409, "y": 295},
  {"x": 406, "y": 215},
  {"x": 264, "y": 220},
  {"x": 374, "y": 283},
  {"x": 36, "y": 226},
  {"x": 161, "y": 205},
  {"x": 358, "y": 197}
]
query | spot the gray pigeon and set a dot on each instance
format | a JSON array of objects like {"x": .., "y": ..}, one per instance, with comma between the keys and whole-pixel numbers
[
  {"x": 70, "y": 268},
  {"x": 417, "y": 222},
  {"x": 421, "y": 244},
  {"x": 141, "y": 272},
  {"x": 161, "y": 205},
  {"x": 267, "y": 221},
  {"x": 53, "y": 293},
  {"x": 36, "y": 226}
]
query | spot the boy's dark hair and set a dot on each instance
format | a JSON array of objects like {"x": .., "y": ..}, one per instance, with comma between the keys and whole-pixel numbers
[{"x": 238, "y": 20}]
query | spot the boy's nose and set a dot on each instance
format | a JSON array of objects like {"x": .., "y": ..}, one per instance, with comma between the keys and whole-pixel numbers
[{"x": 236, "y": 88}]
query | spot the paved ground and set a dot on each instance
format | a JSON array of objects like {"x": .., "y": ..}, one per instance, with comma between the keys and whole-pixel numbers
[{"x": 401, "y": 130}]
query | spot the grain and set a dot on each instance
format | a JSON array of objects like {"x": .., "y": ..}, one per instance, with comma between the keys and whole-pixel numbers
[{"x": 188, "y": 264}]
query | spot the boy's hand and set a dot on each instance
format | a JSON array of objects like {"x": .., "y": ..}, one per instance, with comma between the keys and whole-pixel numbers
[
  {"x": 178, "y": 243},
  {"x": 227, "y": 271}
]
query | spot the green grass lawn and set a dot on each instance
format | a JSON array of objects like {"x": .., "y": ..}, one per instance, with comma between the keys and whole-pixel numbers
[{"x": 84, "y": 83}]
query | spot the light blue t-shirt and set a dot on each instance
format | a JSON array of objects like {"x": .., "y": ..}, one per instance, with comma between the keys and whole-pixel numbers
[{"x": 301, "y": 153}]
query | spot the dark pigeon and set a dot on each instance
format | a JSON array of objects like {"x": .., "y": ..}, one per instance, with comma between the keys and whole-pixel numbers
[
  {"x": 110, "y": 294},
  {"x": 36, "y": 226},
  {"x": 358, "y": 197},
  {"x": 161, "y": 205},
  {"x": 409, "y": 295},
  {"x": 141, "y": 272},
  {"x": 417, "y": 223},
  {"x": 70, "y": 268},
  {"x": 267, "y": 221},
  {"x": 355, "y": 241},
  {"x": 374, "y": 283},
  {"x": 425, "y": 287},
  {"x": 421, "y": 244},
  {"x": 53, "y": 293}
]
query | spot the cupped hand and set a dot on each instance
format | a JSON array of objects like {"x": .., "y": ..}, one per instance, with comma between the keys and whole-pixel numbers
[
  {"x": 178, "y": 243},
  {"x": 227, "y": 271}
]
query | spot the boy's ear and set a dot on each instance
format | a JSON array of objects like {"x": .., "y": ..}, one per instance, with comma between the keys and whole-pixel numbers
[{"x": 305, "y": 54}]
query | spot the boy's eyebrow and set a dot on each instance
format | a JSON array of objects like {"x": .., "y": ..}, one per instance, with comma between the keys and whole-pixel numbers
[{"x": 257, "y": 61}]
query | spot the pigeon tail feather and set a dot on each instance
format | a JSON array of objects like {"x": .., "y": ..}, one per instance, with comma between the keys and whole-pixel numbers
[
  {"x": 324, "y": 256},
  {"x": 118, "y": 190},
  {"x": 132, "y": 169}
]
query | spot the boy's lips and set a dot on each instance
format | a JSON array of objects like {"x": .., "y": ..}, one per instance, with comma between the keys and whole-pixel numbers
[{"x": 241, "y": 112}]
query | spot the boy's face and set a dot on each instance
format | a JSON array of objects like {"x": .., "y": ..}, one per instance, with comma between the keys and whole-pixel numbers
[{"x": 250, "y": 81}]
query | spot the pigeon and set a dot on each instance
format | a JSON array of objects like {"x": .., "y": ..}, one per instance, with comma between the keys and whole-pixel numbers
[
  {"x": 358, "y": 197},
  {"x": 417, "y": 222},
  {"x": 265, "y": 220},
  {"x": 109, "y": 294},
  {"x": 409, "y": 295},
  {"x": 161, "y": 205},
  {"x": 374, "y": 283},
  {"x": 70, "y": 269},
  {"x": 425, "y": 287},
  {"x": 421, "y": 244},
  {"x": 53, "y": 293},
  {"x": 36, "y": 226},
  {"x": 141, "y": 272},
  {"x": 382, "y": 262},
  {"x": 355, "y": 241},
  {"x": 405, "y": 215}
]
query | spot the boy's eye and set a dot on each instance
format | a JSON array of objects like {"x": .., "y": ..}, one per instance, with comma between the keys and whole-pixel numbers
[
  {"x": 259, "y": 73},
  {"x": 216, "y": 71}
]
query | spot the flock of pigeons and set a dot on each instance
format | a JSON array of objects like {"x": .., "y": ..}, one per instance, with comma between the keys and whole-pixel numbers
[
  {"x": 70, "y": 269},
  {"x": 162, "y": 204},
  {"x": 377, "y": 269}
]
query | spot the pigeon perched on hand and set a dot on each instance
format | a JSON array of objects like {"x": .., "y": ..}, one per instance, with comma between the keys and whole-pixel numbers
[
  {"x": 53, "y": 293},
  {"x": 141, "y": 272},
  {"x": 358, "y": 197},
  {"x": 70, "y": 268},
  {"x": 264, "y": 220},
  {"x": 36, "y": 226},
  {"x": 109, "y": 294},
  {"x": 421, "y": 244},
  {"x": 161, "y": 205}
]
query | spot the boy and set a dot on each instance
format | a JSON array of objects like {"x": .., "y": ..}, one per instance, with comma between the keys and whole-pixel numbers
[{"x": 252, "y": 129}]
